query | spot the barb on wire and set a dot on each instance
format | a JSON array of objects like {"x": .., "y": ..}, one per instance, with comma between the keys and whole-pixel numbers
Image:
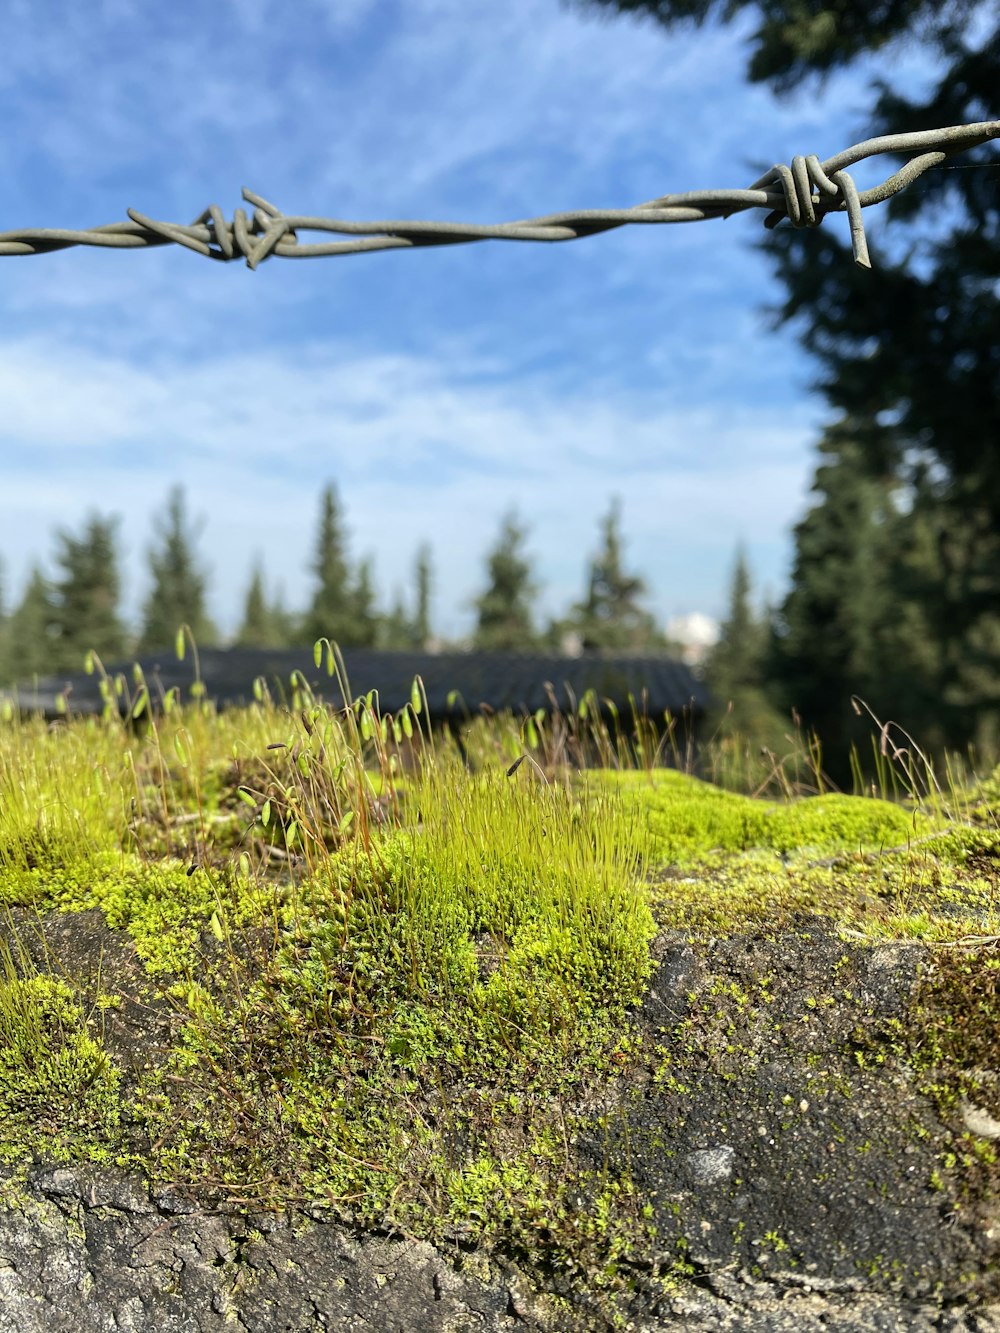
[{"x": 804, "y": 193}]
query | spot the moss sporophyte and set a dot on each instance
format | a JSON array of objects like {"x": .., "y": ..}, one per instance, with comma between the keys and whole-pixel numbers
[{"x": 277, "y": 956}]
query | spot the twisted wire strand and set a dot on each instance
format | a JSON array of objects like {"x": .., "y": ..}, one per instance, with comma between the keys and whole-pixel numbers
[{"x": 804, "y": 193}]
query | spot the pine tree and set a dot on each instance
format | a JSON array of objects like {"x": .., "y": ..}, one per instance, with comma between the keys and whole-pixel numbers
[
  {"x": 254, "y": 628},
  {"x": 30, "y": 646},
  {"x": 395, "y": 629},
  {"x": 265, "y": 623},
  {"x": 832, "y": 622},
  {"x": 791, "y": 40},
  {"x": 504, "y": 610},
  {"x": 332, "y": 612},
  {"x": 736, "y": 663},
  {"x": 610, "y": 617},
  {"x": 424, "y": 579},
  {"x": 737, "y": 669},
  {"x": 400, "y": 631},
  {"x": 364, "y": 633},
  {"x": 86, "y": 596},
  {"x": 177, "y": 595},
  {"x": 953, "y": 562},
  {"x": 909, "y": 638}
]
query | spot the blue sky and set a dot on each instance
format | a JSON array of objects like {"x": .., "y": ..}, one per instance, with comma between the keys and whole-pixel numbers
[{"x": 437, "y": 388}]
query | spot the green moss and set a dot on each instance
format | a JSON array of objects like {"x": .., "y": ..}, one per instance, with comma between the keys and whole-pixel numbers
[
  {"x": 58, "y": 1089},
  {"x": 957, "y": 1010},
  {"x": 950, "y": 1040},
  {"x": 403, "y": 1007},
  {"x": 686, "y": 818},
  {"x": 942, "y": 886},
  {"x": 835, "y": 823},
  {"x": 987, "y": 806},
  {"x": 164, "y": 905},
  {"x": 378, "y": 979}
]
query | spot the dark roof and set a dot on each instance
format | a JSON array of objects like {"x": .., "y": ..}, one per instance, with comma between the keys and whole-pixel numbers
[{"x": 499, "y": 680}]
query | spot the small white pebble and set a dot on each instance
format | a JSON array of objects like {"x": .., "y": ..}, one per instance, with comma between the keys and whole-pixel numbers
[{"x": 978, "y": 1121}]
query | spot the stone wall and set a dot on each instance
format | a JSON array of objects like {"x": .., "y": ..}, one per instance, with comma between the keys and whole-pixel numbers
[{"x": 794, "y": 1179}]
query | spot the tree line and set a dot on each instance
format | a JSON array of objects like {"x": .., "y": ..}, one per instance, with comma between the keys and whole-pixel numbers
[{"x": 77, "y": 608}]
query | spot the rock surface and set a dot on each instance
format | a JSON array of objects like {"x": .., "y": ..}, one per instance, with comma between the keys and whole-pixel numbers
[
  {"x": 91, "y": 1251},
  {"x": 783, "y": 1149}
]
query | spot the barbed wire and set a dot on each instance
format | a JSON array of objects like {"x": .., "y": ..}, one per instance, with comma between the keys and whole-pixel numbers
[{"x": 804, "y": 193}]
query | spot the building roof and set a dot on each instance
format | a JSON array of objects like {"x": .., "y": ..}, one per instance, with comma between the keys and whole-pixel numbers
[{"x": 457, "y": 684}]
